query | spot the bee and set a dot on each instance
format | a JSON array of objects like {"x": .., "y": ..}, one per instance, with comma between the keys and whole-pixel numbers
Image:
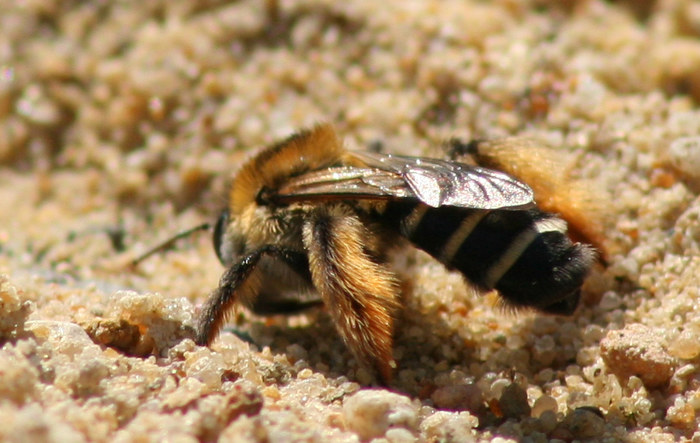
[{"x": 308, "y": 216}]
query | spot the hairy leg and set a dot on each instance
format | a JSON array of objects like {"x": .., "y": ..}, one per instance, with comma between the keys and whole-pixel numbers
[
  {"x": 360, "y": 293},
  {"x": 240, "y": 283}
]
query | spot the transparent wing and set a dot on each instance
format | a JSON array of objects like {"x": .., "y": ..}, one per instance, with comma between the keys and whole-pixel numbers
[
  {"x": 448, "y": 183},
  {"x": 434, "y": 182},
  {"x": 344, "y": 182}
]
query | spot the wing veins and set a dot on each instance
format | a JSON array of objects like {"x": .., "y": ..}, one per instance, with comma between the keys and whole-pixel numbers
[{"x": 435, "y": 182}]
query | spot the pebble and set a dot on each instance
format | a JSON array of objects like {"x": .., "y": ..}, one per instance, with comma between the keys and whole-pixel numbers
[
  {"x": 513, "y": 402},
  {"x": 455, "y": 427},
  {"x": 543, "y": 404},
  {"x": 638, "y": 350},
  {"x": 13, "y": 310},
  {"x": 686, "y": 346},
  {"x": 585, "y": 423},
  {"x": 372, "y": 412}
]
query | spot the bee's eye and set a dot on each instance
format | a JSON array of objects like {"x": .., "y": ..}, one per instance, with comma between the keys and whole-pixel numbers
[{"x": 219, "y": 233}]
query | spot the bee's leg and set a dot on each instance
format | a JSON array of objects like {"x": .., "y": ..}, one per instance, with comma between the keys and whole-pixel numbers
[
  {"x": 360, "y": 293},
  {"x": 238, "y": 284}
]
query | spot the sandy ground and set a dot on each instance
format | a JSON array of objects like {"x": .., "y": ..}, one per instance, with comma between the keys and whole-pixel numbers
[{"x": 121, "y": 124}]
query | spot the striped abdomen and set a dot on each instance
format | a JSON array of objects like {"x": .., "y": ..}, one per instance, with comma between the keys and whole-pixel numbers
[{"x": 524, "y": 254}]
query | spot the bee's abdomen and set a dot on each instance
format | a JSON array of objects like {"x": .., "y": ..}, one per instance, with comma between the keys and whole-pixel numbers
[{"x": 524, "y": 254}]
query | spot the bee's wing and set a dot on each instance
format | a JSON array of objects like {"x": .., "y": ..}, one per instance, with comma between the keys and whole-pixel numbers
[
  {"x": 434, "y": 182},
  {"x": 447, "y": 183},
  {"x": 344, "y": 182}
]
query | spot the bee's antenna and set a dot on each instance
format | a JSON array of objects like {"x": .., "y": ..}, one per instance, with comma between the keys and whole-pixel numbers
[{"x": 169, "y": 243}]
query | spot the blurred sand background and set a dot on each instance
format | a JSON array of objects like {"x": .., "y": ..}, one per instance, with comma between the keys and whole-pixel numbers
[{"x": 122, "y": 122}]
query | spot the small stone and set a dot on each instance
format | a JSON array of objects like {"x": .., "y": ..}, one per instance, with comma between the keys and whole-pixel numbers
[
  {"x": 548, "y": 421},
  {"x": 686, "y": 346},
  {"x": 681, "y": 413},
  {"x": 638, "y": 350},
  {"x": 205, "y": 366},
  {"x": 585, "y": 423},
  {"x": 543, "y": 352},
  {"x": 13, "y": 310},
  {"x": 371, "y": 412},
  {"x": 66, "y": 336},
  {"x": 118, "y": 334},
  {"x": 305, "y": 373},
  {"x": 400, "y": 435},
  {"x": 543, "y": 404},
  {"x": 611, "y": 300},
  {"x": 449, "y": 426},
  {"x": 498, "y": 386},
  {"x": 513, "y": 402}
]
